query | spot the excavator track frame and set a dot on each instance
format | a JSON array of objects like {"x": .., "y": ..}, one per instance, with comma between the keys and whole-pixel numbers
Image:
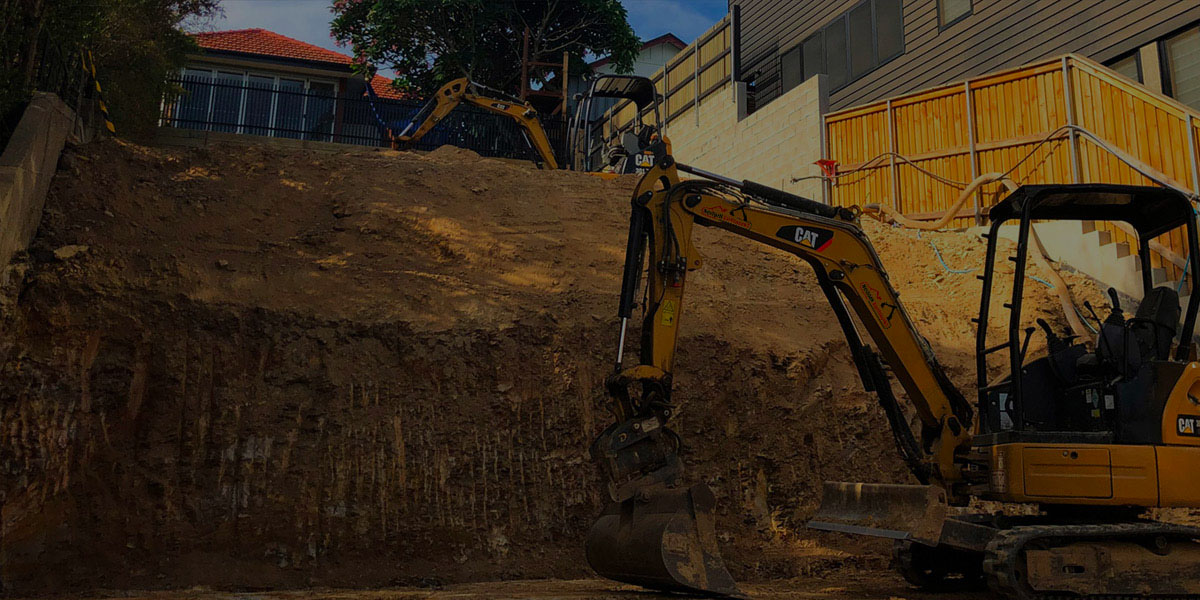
[{"x": 1006, "y": 557}]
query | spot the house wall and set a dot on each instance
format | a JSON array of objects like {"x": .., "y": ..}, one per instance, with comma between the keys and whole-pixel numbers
[
  {"x": 999, "y": 34},
  {"x": 771, "y": 146}
]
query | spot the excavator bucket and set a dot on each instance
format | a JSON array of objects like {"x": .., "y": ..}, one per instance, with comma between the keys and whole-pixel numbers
[
  {"x": 906, "y": 512},
  {"x": 665, "y": 541}
]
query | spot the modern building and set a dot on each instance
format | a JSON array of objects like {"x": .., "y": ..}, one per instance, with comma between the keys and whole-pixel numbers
[
  {"x": 875, "y": 49},
  {"x": 259, "y": 82}
]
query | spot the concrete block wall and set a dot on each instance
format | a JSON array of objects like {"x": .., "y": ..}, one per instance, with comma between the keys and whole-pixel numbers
[
  {"x": 26, "y": 168},
  {"x": 771, "y": 146}
]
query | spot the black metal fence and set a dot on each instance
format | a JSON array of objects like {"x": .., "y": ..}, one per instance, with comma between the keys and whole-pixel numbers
[{"x": 284, "y": 108}]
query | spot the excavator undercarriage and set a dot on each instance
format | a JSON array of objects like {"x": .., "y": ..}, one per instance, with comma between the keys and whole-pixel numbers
[{"x": 1073, "y": 446}]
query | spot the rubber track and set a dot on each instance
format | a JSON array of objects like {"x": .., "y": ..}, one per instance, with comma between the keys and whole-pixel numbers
[{"x": 1004, "y": 551}]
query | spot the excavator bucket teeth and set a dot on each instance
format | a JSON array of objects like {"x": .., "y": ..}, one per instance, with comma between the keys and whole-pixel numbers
[
  {"x": 906, "y": 512},
  {"x": 665, "y": 542}
]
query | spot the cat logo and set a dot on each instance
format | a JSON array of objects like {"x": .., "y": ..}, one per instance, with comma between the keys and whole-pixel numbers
[
  {"x": 811, "y": 237},
  {"x": 1188, "y": 425}
]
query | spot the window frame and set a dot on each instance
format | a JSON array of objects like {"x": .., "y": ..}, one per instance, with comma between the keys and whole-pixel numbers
[
  {"x": 843, "y": 20},
  {"x": 1136, "y": 55},
  {"x": 215, "y": 70},
  {"x": 1164, "y": 59},
  {"x": 942, "y": 26}
]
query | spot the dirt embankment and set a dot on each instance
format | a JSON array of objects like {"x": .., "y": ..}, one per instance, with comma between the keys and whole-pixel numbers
[{"x": 255, "y": 367}]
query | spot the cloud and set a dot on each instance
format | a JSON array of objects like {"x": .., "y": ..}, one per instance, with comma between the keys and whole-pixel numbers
[{"x": 685, "y": 18}]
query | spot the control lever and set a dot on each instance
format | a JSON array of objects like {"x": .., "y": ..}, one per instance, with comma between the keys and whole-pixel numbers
[
  {"x": 1116, "y": 317},
  {"x": 1088, "y": 305},
  {"x": 1053, "y": 343}
]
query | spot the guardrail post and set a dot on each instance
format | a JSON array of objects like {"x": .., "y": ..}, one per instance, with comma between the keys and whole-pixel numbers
[
  {"x": 1076, "y": 173},
  {"x": 971, "y": 145},
  {"x": 892, "y": 157}
]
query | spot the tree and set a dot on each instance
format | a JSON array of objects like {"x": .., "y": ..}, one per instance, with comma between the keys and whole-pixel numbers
[
  {"x": 428, "y": 42},
  {"x": 136, "y": 45}
]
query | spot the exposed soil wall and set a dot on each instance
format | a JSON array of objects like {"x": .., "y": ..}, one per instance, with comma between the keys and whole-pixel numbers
[{"x": 257, "y": 367}]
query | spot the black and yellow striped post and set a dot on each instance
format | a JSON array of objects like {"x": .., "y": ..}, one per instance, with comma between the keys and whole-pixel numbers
[{"x": 89, "y": 67}]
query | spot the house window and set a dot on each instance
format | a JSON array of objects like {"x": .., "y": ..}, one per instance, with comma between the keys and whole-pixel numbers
[
  {"x": 791, "y": 68},
  {"x": 258, "y": 104},
  {"x": 1182, "y": 58},
  {"x": 952, "y": 11},
  {"x": 854, "y": 44},
  {"x": 1130, "y": 67}
]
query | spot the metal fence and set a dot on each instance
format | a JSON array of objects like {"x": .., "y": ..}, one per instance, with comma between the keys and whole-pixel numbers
[{"x": 285, "y": 109}]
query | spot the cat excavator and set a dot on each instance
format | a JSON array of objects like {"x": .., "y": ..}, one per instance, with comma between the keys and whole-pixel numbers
[
  {"x": 464, "y": 90},
  {"x": 1071, "y": 447}
]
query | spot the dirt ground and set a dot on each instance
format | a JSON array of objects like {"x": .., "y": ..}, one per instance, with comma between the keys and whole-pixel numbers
[
  {"x": 252, "y": 368},
  {"x": 852, "y": 585}
]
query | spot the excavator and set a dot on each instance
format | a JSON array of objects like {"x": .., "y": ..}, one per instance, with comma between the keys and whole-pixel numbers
[
  {"x": 1041, "y": 487},
  {"x": 464, "y": 90}
]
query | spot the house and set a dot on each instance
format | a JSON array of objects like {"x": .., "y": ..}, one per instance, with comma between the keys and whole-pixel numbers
[
  {"x": 654, "y": 55},
  {"x": 256, "y": 81},
  {"x": 875, "y": 49}
]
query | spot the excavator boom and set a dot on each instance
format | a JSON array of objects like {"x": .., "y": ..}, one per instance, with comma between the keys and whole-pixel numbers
[
  {"x": 638, "y": 453},
  {"x": 461, "y": 90}
]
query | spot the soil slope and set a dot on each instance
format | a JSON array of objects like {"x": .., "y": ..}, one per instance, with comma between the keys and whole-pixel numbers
[{"x": 258, "y": 367}]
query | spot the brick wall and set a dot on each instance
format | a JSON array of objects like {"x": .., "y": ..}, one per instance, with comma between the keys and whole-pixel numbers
[{"x": 778, "y": 142}]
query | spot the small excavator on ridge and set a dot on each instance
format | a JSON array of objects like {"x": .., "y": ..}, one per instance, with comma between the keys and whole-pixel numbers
[{"x": 464, "y": 90}]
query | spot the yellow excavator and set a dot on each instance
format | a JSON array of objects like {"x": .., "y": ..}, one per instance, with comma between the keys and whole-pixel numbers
[
  {"x": 464, "y": 90},
  {"x": 1085, "y": 437}
]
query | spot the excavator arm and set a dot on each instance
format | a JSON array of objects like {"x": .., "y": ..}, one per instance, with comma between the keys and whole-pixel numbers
[
  {"x": 639, "y": 453},
  {"x": 459, "y": 91}
]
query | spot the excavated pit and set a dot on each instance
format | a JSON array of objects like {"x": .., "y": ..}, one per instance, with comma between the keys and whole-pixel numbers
[{"x": 254, "y": 367}]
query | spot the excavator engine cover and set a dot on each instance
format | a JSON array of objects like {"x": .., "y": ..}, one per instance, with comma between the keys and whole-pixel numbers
[
  {"x": 906, "y": 512},
  {"x": 664, "y": 540}
]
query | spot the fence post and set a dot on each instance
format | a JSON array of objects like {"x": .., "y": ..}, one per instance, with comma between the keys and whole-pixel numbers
[
  {"x": 971, "y": 143},
  {"x": 1191, "y": 135},
  {"x": 696, "y": 81},
  {"x": 892, "y": 156},
  {"x": 826, "y": 182},
  {"x": 1076, "y": 173}
]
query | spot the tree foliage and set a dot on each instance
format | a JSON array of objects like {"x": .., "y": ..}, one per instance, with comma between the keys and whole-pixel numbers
[
  {"x": 136, "y": 45},
  {"x": 428, "y": 42}
]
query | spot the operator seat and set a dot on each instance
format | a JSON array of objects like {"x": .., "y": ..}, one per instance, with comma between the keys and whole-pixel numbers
[{"x": 1156, "y": 323}]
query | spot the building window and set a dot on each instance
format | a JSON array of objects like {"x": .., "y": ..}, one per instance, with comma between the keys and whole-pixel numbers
[
  {"x": 241, "y": 102},
  {"x": 791, "y": 68},
  {"x": 852, "y": 45},
  {"x": 1130, "y": 67},
  {"x": 1181, "y": 55},
  {"x": 953, "y": 11}
]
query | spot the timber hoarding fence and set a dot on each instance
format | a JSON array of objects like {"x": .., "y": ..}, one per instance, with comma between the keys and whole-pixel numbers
[
  {"x": 697, "y": 72},
  {"x": 1011, "y": 121}
]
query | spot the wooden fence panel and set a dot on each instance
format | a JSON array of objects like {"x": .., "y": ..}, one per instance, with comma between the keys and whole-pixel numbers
[{"x": 1013, "y": 122}]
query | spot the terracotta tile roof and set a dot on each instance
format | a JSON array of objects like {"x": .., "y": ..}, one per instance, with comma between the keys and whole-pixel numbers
[
  {"x": 268, "y": 43},
  {"x": 383, "y": 88}
]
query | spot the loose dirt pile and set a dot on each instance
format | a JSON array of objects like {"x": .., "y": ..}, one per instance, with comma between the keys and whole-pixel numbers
[{"x": 258, "y": 367}]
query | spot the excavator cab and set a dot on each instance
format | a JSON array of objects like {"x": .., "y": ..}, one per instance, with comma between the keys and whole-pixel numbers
[
  {"x": 1107, "y": 387},
  {"x": 631, "y": 151}
]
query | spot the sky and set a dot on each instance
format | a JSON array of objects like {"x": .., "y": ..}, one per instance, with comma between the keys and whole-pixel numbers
[{"x": 308, "y": 20}]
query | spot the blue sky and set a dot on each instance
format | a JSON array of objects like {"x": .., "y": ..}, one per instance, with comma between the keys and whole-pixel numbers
[{"x": 308, "y": 20}]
